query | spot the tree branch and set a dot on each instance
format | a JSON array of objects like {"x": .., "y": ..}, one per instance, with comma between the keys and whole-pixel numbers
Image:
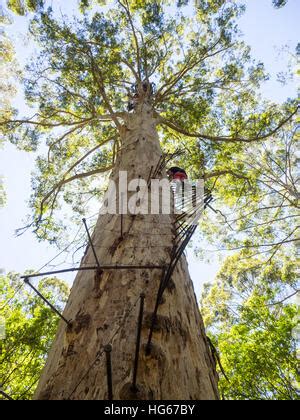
[
  {"x": 131, "y": 68},
  {"x": 96, "y": 72},
  {"x": 45, "y": 124},
  {"x": 61, "y": 138},
  {"x": 64, "y": 181},
  {"x": 138, "y": 54},
  {"x": 284, "y": 299},
  {"x": 161, "y": 95},
  {"x": 227, "y": 139},
  {"x": 226, "y": 172}
]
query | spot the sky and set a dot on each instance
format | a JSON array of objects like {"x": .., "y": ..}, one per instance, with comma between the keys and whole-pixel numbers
[{"x": 264, "y": 28}]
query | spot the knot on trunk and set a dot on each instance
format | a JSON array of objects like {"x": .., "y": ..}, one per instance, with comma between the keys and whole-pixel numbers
[
  {"x": 156, "y": 352},
  {"x": 167, "y": 325},
  {"x": 97, "y": 281},
  {"x": 82, "y": 321},
  {"x": 46, "y": 394},
  {"x": 128, "y": 393},
  {"x": 171, "y": 285}
]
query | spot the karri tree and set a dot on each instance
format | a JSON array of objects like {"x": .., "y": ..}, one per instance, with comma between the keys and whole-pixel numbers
[{"x": 113, "y": 92}]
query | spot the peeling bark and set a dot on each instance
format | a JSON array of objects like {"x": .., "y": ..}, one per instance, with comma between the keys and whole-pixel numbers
[{"x": 180, "y": 365}]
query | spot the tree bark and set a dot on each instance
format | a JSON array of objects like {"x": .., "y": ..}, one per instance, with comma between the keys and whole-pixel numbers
[{"x": 104, "y": 306}]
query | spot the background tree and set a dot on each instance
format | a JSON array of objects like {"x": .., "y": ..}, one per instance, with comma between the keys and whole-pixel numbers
[
  {"x": 258, "y": 198},
  {"x": 30, "y": 328},
  {"x": 23, "y": 7},
  {"x": 251, "y": 317},
  {"x": 2, "y": 193},
  {"x": 279, "y": 3},
  {"x": 8, "y": 69}
]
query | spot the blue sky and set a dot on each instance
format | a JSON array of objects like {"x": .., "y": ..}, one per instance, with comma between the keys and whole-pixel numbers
[{"x": 265, "y": 29}]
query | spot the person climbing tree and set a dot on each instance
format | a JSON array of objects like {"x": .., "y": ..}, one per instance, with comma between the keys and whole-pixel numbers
[{"x": 177, "y": 174}]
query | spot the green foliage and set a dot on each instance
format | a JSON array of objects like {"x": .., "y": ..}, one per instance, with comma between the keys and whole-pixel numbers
[
  {"x": 9, "y": 72},
  {"x": 16, "y": 6},
  {"x": 30, "y": 327},
  {"x": 9, "y": 75},
  {"x": 85, "y": 69},
  {"x": 2, "y": 194},
  {"x": 22, "y": 7},
  {"x": 279, "y": 3},
  {"x": 253, "y": 325},
  {"x": 257, "y": 197}
]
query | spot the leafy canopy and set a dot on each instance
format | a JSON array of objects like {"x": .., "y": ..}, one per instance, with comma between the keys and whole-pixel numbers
[
  {"x": 30, "y": 328},
  {"x": 205, "y": 98},
  {"x": 252, "y": 321},
  {"x": 257, "y": 197}
]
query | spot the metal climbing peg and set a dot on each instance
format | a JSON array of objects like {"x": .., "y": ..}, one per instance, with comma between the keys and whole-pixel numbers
[
  {"x": 108, "y": 350},
  {"x": 138, "y": 342},
  {"x": 26, "y": 280},
  {"x": 91, "y": 243}
]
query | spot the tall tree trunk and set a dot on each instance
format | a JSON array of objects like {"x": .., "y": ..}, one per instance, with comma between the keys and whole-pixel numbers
[{"x": 104, "y": 306}]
